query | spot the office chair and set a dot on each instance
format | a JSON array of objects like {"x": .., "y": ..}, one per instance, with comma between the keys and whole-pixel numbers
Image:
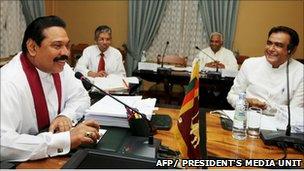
[{"x": 76, "y": 52}]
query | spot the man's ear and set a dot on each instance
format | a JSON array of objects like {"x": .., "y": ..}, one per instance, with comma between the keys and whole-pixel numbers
[
  {"x": 292, "y": 51},
  {"x": 31, "y": 47}
]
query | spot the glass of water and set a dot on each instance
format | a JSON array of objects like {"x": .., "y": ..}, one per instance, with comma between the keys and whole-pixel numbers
[{"x": 254, "y": 115}]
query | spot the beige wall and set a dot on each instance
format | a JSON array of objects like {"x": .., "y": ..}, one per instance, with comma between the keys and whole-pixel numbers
[
  {"x": 254, "y": 21},
  {"x": 256, "y": 18},
  {"x": 83, "y": 17}
]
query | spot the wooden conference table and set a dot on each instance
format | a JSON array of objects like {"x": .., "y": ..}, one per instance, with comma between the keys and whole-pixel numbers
[{"x": 219, "y": 144}]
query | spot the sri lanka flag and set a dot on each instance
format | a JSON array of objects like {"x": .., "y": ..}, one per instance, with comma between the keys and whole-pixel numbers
[{"x": 187, "y": 132}]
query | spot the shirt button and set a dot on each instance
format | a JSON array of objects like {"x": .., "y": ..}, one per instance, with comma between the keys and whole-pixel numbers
[{"x": 59, "y": 150}]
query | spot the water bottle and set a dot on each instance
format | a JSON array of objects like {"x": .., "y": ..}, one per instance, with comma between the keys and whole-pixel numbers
[
  {"x": 240, "y": 120},
  {"x": 143, "y": 56}
]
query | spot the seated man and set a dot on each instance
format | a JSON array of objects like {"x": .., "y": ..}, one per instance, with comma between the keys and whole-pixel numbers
[
  {"x": 224, "y": 57},
  {"x": 39, "y": 91},
  {"x": 264, "y": 78},
  {"x": 101, "y": 59}
]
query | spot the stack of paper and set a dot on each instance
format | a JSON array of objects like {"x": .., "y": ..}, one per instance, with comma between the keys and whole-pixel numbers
[
  {"x": 113, "y": 83},
  {"x": 109, "y": 112}
]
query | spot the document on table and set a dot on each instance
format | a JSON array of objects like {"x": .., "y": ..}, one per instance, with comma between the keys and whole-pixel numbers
[
  {"x": 110, "y": 83},
  {"x": 109, "y": 112},
  {"x": 101, "y": 133}
]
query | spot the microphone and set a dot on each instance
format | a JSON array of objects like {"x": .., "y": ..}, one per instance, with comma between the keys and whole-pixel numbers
[
  {"x": 139, "y": 126},
  {"x": 283, "y": 137},
  {"x": 211, "y": 74},
  {"x": 206, "y": 54},
  {"x": 162, "y": 62},
  {"x": 162, "y": 70}
]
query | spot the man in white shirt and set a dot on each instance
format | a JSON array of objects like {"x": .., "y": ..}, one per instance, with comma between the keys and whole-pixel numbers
[
  {"x": 101, "y": 59},
  {"x": 39, "y": 91},
  {"x": 264, "y": 78},
  {"x": 224, "y": 57}
]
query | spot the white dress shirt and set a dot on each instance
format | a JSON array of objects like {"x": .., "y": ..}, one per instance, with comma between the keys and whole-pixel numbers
[
  {"x": 20, "y": 140},
  {"x": 259, "y": 80},
  {"x": 224, "y": 55},
  {"x": 89, "y": 61}
]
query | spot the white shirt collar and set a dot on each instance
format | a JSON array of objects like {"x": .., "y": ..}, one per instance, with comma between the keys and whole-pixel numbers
[{"x": 280, "y": 67}]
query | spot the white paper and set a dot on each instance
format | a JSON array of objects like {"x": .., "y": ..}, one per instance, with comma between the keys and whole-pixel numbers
[
  {"x": 101, "y": 133},
  {"x": 132, "y": 80},
  {"x": 229, "y": 73},
  {"x": 188, "y": 69},
  {"x": 148, "y": 66},
  {"x": 152, "y": 66},
  {"x": 110, "y": 83},
  {"x": 110, "y": 107},
  {"x": 109, "y": 112}
]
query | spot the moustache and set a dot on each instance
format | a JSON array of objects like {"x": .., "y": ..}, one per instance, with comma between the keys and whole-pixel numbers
[{"x": 61, "y": 58}]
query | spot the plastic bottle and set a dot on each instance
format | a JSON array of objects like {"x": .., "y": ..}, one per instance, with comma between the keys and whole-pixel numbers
[
  {"x": 143, "y": 57},
  {"x": 240, "y": 118}
]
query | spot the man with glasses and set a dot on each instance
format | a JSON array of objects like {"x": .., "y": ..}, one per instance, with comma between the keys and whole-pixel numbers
[{"x": 101, "y": 59}]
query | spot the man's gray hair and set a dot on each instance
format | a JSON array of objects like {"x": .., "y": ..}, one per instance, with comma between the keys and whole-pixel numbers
[
  {"x": 102, "y": 29},
  {"x": 217, "y": 34}
]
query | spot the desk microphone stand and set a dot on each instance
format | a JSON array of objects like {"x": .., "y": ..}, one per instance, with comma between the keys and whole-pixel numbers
[
  {"x": 211, "y": 74},
  {"x": 141, "y": 128},
  {"x": 214, "y": 74},
  {"x": 162, "y": 70}
]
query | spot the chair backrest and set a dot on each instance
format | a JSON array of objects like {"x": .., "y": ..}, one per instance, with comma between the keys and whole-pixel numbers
[
  {"x": 173, "y": 60},
  {"x": 123, "y": 50},
  {"x": 76, "y": 52},
  {"x": 241, "y": 58}
]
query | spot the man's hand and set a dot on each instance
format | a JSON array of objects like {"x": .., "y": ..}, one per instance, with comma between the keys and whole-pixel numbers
[
  {"x": 97, "y": 74},
  {"x": 215, "y": 64},
  {"x": 253, "y": 102},
  {"x": 102, "y": 74},
  {"x": 86, "y": 132},
  {"x": 60, "y": 124}
]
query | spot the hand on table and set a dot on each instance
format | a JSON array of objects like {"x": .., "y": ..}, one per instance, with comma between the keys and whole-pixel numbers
[
  {"x": 86, "y": 132},
  {"x": 215, "y": 64},
  {"x": 97, "y": 74},
  {"x": 253, "y": 102},
  {"x": 60, "y": 124}
]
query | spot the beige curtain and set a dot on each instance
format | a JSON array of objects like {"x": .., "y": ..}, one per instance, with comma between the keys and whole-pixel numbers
[
  {"x": 12, "y": 27},
  {"x": 182, "y": 26}
]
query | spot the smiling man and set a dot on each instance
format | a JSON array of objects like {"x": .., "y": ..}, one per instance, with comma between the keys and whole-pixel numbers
[
  {"x": 38, "y": 92},
  {"x": 101, "y": 59},
  {"x": 264, "y": 79},
  {"x": 224, "y": 57}
]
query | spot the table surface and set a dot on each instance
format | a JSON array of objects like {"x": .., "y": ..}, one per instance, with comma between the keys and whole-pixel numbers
[{"x": 219, "y": 144}]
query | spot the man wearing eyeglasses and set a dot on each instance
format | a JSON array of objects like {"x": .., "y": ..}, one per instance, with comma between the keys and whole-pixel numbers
[{"x": 101, "y": 59}]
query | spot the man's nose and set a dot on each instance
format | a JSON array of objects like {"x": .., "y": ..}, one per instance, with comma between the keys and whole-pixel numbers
[
  {"x": 271, "y": 47},
  {"x": 103, "y": 41},
  {"x": 65, "y": 51}
]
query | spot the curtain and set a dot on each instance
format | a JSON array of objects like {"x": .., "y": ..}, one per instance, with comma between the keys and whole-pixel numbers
[
  {"x": 144, "y": 21},
  {"x": 32, "y": 9},
  {"x": 12, "y": 27},
  {"x": 182, "y": 27},
  {"x": 220, "y": 16}
]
